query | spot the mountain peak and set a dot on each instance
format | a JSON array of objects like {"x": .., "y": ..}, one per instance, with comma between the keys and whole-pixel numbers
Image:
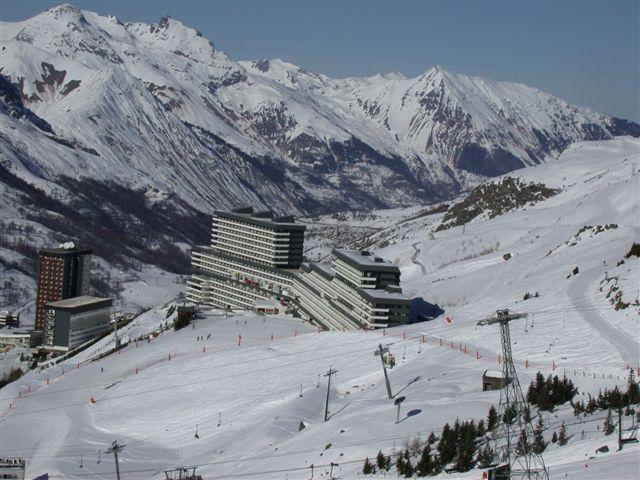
[
  {"x": 64, "y": 10},
  {"x": 170, "y": 24}
]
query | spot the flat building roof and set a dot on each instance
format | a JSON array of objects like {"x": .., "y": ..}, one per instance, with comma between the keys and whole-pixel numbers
[
  {"x": 65, "y": 252},
  {"x": 262, "y": 219},
  {"x": 365, "y": 260},
  {"x": 80, "y": 304}
]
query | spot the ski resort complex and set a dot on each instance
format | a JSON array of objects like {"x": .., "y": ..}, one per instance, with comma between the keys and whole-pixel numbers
[
  {"x": 434, "y": 274},
  {"x": 256, "y": 256}
]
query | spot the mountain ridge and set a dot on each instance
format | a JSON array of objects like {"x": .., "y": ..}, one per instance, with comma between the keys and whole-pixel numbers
[{"x": 408, "y": 139}]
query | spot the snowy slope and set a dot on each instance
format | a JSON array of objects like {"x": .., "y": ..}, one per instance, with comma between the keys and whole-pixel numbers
[
  {"x": 155, "y": 395},
  {"x": 155, "y": 405},
  {"x": 462, "y": 269}
]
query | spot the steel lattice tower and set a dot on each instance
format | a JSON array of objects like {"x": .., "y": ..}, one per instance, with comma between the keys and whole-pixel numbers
[{"x": 523, "y": 462}]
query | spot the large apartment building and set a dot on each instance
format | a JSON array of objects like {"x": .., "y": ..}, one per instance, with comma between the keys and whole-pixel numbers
[
  {"x": 63, "y": 273},
  {"x": 255, "y": 256}
]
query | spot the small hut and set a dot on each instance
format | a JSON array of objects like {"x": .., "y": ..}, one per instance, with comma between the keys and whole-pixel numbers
[{"x": 492, "y": 380}]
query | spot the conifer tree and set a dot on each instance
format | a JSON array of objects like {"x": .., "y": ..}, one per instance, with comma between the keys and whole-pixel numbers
[
  {"x": 509, "y": 414},
  {"x": 446, "y": 446},
  {"x": 486, "y": 456},
  {"x": 480, "y": 429},
  {"x": 400, "y": 468},
  {"x": 383, "y": 462},
  {"x": 526, "y": 414},
  {"x": 368, "y": 468},
  {"x": 562, "y": 436},
  {"x": 554, "y": 437},
  {"x": 466, "y": 448},
  {"x": 408, "y": 468},
  {"x": 431, "y": 439},
  {"x": 424, "y": 466},
  {"x": 538, "y": 439},
  {"x": 492, "y": 418},
  {"x": 633, "y": 389},
  {"x": 522, "y": 446},
  {"x": 608, "y": 427}
]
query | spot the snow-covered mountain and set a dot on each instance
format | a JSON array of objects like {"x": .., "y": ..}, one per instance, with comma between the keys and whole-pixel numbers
[{"x": 158, "y": 105}]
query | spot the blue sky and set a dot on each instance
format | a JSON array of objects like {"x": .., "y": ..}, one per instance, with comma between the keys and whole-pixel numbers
[{"x": 586, "y": 52}]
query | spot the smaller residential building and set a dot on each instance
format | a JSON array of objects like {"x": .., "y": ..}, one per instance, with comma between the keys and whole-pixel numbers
[
  {"x": 13, "y": 468},
  {"x": 267, "y": 306},
  {"x": 9, "y": 319},
  {"x": 492, "y": 380},
  {"x": 12, "y": 340},
  {"x": 74, "y": 321},
  {"x": 186, "y": 313}
]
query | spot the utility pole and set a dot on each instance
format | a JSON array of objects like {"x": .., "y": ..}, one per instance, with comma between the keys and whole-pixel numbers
[
  {"x": 381, "y": 351},
  {"x": 398, "y": 402},
  {"x": 326, "y": 407},
  {"x": 529, "y": 465},
  {"x": 115, "y": 326},
  {"x": 115, "y": 449},
  {"x": 619, "y": 429}
]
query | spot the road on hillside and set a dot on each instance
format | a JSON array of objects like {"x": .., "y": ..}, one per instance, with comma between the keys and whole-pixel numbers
[
  {"x": 414, "y": 258},
  {"x": 624, "y": 342}
]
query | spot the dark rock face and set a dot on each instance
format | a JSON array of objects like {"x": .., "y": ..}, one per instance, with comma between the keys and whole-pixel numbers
[
  {"x": 11, "y": 104},
  {"x": 621, "y": 127},
  {"x": 476, "y": 159},
  {"x": 262, "y": 65},
  {"x": 50, "y": 77}
]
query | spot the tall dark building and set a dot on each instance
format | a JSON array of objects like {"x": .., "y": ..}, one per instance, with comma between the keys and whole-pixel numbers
[{"x": 63, "y": 272}]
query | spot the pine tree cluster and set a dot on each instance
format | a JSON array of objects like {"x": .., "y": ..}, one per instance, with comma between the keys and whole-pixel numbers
[
  {"x": 611, "y": 398},
  {"x": 546, "y": 394},
  {"x": 457, "y": 445}
]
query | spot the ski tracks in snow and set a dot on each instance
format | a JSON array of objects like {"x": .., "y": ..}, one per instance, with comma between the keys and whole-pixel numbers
[{"x": 624, "y": 342}]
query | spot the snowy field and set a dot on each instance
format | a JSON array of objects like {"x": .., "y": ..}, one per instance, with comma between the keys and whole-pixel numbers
[
  {"x": 246, "y": 402},
  {"x": 246, "y": 389}
]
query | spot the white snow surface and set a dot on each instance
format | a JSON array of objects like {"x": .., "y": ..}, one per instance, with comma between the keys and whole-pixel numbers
[{"x": 244, "y": 400}]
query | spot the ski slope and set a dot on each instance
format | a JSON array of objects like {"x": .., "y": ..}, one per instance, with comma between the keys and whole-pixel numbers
[{"x": 244, "y": 402}]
